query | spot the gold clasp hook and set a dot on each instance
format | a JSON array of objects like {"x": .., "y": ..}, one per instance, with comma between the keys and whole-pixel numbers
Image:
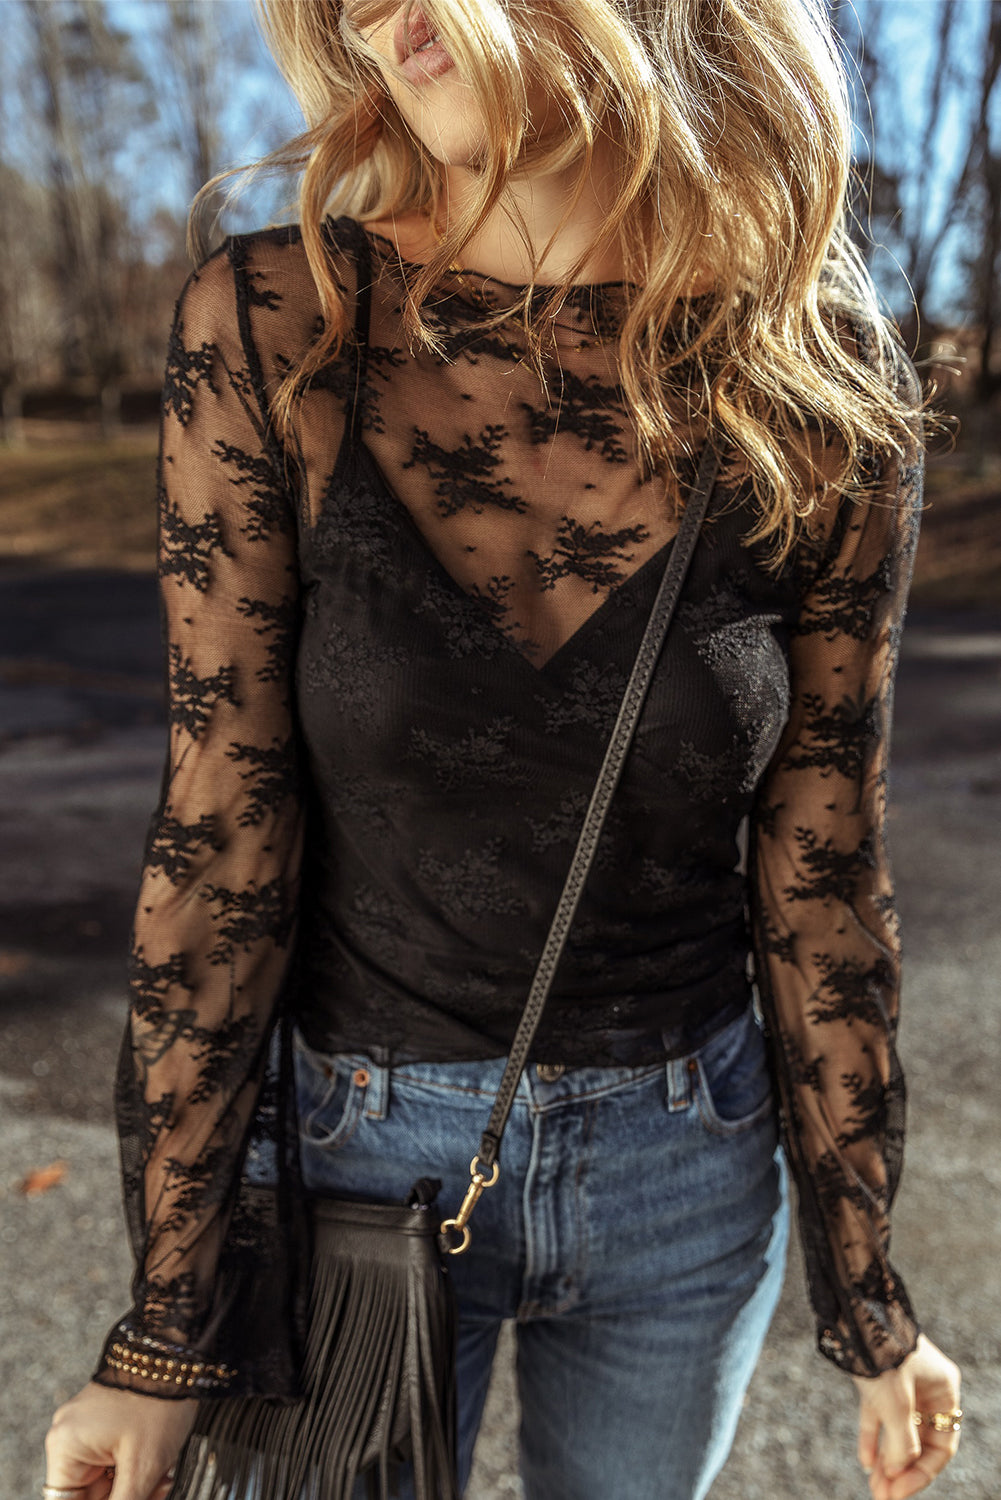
[{"x": 478, "y": 1185}]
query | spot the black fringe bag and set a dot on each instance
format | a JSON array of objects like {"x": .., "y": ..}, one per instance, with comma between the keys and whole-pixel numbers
[
  {"x": 378, "y": 1372},
  {"x": 379, "y": 1365}
]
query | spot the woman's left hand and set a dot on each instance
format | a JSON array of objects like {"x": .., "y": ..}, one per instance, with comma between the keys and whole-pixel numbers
[{"x": 901, "y": 1457}]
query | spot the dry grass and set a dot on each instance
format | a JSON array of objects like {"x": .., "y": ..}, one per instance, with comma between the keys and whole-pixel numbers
[
  {"x": 76, "y": 502},
  {"x": 959, "y": 555},
  {"x": 67, "y": 501}
]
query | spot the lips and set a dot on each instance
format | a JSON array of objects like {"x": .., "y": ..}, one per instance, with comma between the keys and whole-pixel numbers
[
  {"x": 420, "y": 31},
  {"x": 414, "y": 64}
]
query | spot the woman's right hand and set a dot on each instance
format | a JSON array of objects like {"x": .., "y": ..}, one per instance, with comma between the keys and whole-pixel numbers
[{"x": 115, "y": 1444}]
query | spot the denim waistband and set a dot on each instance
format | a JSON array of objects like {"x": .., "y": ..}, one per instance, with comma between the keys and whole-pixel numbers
[{"x": 538, "y": 1087}]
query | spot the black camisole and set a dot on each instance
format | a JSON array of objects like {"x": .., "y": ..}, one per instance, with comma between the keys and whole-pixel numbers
[{"x": 450, "y": 765}]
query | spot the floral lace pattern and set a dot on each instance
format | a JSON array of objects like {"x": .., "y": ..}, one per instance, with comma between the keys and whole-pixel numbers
[{"x": 394, "y": 648}]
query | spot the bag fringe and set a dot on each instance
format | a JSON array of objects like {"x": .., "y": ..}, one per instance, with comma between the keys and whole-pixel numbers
[{"x": 378, "y": 1373}]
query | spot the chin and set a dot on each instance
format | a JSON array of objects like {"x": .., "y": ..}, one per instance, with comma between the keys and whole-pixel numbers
[
  {"x": 461, "y": 154},
  {"x": 455, "y": 143}
]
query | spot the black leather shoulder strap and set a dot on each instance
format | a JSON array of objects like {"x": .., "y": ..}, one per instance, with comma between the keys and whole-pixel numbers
[
  {"x": 363, "y": 318},
  {"x": 604, "y": 789}
]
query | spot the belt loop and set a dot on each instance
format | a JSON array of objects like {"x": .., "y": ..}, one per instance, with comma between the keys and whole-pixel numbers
[
  {"x": 377, "y": 1092},
  {"x": 679, "y": 1084}
]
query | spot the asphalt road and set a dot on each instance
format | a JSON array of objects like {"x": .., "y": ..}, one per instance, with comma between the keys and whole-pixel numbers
[{"x": 81, "y": 749}]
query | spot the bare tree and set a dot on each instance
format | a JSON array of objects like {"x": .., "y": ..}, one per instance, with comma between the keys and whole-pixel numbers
[
  {"x": 27, "y": 327},
  {"x": 981, "y": 199},
  {"x": 189, "y": 86},
  {"x": 105, "y": 135},
  {"x": 875, "y": 197},
  {"x": 89, "y": 93},
  {"x": 926, "y": 155},
  {"x": 900, "y": 158},
  {"x": 204, "y": 70}
]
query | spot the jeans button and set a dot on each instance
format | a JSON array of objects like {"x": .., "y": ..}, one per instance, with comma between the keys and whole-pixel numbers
[{"x": 550, "y": 1072}]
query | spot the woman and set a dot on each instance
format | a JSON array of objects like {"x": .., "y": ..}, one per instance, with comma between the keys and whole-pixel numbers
[{"x": 423, "y": 458}]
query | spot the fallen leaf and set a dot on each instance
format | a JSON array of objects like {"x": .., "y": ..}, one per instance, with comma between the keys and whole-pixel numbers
[
  {"x": 12, "y": 961},
  {"x": 41, "y": 1179}
]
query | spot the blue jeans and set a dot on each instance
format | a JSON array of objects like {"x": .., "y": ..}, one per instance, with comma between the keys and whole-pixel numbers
[{"x": 636, "y": 1234}]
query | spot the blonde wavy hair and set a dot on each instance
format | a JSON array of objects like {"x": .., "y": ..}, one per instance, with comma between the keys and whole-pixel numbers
[{"x": 733, "y": 129}]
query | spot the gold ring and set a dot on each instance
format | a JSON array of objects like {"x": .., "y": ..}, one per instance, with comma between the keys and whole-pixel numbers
[{"x": 940, "y": 1421}]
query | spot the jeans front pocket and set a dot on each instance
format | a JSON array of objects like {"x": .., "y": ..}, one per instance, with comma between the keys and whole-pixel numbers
[
  {"x": 329, "y": 1096},
  {"x": 732, "y": 1078}
]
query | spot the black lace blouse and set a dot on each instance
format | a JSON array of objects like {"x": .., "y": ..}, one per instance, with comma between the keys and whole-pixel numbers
[{"x": 395, "y": 646}]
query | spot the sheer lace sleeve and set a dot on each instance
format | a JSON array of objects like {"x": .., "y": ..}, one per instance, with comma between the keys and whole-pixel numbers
[
  {"x": 824, "y": 924},
  {"x": 215, "y": 919}
]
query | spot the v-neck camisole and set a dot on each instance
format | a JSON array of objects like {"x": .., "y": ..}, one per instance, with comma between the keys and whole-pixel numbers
[{"x": 450, "y": 766}]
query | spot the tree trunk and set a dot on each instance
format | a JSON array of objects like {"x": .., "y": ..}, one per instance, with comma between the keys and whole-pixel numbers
[
  {"x": 111, "y": 409},
  {"x": 12, "y": 416}
]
